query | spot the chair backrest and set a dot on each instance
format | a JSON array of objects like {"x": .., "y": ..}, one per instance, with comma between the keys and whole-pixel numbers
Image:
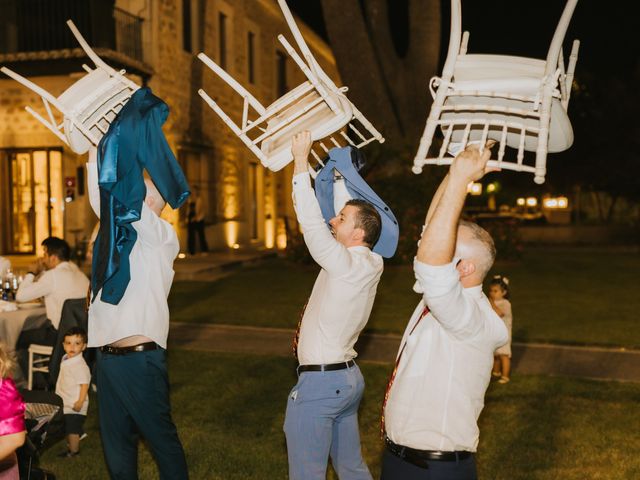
[
  {"x": 88, "y": 106},
  {"x": 74, "y": 314}
]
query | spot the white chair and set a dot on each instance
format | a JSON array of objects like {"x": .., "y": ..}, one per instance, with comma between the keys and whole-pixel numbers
[
  {"x": 518, "y": 102},
  {"x": 317, "y": 105},
  {"x": 88, "y": 106},
  {"x": 39, "y": 356}
]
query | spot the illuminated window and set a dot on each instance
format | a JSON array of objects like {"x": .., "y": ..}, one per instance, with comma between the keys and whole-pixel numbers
[{"x": 36, "y": 204}]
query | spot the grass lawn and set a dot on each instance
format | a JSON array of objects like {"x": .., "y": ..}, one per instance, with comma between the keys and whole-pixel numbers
[
  {"x": 574, "y": 296},
  {"x": 230, "y": 417}
]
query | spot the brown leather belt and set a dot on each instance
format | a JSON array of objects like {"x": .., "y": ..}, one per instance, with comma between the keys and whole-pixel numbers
[{"x": 141, "y": 347}]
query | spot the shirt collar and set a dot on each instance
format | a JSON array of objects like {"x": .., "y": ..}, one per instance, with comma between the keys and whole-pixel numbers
[
  {"x": 475, "y": 291},
  {"x": 65, "y": 358}
]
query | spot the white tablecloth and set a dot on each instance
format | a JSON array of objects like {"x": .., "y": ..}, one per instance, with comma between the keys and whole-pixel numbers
[{"x": 12, "y": 323}]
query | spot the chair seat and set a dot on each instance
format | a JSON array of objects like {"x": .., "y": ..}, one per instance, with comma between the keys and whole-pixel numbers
[
  {"x": 94, "y": 100},
  {"x": 560, "y": 130},
  {"x": 505, "y": 74},
  {"x": 320, "y": 120}
]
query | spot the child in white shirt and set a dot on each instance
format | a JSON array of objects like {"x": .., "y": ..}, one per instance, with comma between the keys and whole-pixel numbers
[
  {"x": 499, "y": 298},
  {"x": 73, "y": 387}
]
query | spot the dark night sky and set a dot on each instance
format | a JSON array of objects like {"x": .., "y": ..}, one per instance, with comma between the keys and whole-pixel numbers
[{"x": 608, "y": 31}]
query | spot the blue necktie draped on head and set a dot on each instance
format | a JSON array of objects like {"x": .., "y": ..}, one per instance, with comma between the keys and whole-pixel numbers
[
  {"x": 341, "y": 160},
  {"x": 133, "y": 143}
]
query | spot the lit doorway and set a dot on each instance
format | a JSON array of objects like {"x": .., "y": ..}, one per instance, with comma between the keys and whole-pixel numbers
[{"x": 36, "y": 201}]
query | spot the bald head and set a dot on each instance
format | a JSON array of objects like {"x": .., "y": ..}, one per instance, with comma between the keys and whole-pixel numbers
[
  {"x": 153, "y": 198},
  {"x": 476, "y": 249}
]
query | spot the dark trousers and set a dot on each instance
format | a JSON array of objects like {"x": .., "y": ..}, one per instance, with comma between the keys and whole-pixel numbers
[
  {"x": 133, "y": 398},
  {"x": 193, "y": 229},
  {"x": 396, "y": 468}
]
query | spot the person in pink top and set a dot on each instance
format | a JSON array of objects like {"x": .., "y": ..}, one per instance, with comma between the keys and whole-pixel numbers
[{"x": 12, "y": 429}]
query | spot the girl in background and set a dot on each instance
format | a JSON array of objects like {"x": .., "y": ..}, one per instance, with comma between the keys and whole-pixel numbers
[{"x": 499, "y": 298}]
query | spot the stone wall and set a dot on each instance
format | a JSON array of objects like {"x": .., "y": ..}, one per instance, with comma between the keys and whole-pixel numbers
[{"x": 220, "y": 161}]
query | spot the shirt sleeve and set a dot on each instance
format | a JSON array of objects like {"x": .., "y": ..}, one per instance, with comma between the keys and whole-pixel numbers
[
  {"x": 82, "y": 375},
  {"x": 330, "y": 254},
  {"x": 30, "y": 289},
  {"x": 444, "y": 295},
  {"x": 93, "y": 188}
]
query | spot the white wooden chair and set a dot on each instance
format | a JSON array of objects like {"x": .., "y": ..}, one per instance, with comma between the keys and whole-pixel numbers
[
  {"x": 88, "y": 106},
  {"x": 317, "y": 105},
  {"x": 518, "y": 102},
  {"x": 39, "y": 356}
]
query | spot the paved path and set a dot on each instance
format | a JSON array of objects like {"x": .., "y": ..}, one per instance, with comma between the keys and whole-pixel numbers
[{"x": 528, "y": 358}]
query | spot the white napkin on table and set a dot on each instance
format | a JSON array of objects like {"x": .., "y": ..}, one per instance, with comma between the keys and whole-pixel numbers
[{"x": 7, "y": 306}]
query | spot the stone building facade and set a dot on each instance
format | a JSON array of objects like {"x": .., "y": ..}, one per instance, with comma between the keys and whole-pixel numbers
[{"x": 42, "y": 181}]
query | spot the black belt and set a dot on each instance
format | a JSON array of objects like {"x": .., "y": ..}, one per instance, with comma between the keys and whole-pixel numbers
[
  {"x": 141, "y": 347},
  {"x": 421, "y": 458},
  {"x": 327, "y": 367}
]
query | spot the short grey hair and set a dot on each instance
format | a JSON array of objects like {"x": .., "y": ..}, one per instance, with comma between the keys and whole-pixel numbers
[{"x": 482, "y": 249}]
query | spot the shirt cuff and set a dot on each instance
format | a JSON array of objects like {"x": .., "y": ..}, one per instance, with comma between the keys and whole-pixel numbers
[
  {"x": 436, "y": 280},
  {"x": 301, "y": 181}
]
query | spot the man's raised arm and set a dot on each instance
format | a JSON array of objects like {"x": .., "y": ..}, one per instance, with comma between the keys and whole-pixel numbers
[
  {"x": 323, "y": 247},
  {"x": 438, "y": 241}
]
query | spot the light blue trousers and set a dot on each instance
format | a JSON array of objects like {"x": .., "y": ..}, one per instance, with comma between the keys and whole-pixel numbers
[{"x": 322, "y": 421}]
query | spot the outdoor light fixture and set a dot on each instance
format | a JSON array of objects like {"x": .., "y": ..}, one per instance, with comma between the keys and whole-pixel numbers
[
  {"x": 491, "y": 188},
  {"x": 520, "y": 202},
  {"x": 556, "y": 202},
  {"x": 532, "y": 201},
  {"x": 474, "y": 188}
]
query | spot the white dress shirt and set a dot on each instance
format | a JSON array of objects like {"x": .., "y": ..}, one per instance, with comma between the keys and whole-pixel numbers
[
  {"x": 74, "y": 372},
  {"x": 342, "y": 297},
  {"x": 61, "y": 283},
  {"x": 143, "y": 309},
  {"x": 438, "y": 392}
]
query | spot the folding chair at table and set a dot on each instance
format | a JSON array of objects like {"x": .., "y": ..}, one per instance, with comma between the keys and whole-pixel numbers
[
  {"x": 518, "y": 102},
  {"x": 88, "y": 106},
  {"x": 317, "y": 105}
]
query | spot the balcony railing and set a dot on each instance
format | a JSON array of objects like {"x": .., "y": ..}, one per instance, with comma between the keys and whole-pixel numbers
[
  {"x": 39, "y": 25},
  {"x": 128, "y": 33}
]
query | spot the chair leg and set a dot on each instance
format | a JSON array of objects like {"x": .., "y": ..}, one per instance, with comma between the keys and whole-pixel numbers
[{"x": 30, "y": 374}]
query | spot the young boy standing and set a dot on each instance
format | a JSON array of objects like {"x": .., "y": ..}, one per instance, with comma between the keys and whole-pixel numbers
[{"x": 73, "y": 387}]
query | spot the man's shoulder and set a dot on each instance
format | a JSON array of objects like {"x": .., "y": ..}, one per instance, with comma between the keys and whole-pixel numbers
[{"x": 366, "y": 257}]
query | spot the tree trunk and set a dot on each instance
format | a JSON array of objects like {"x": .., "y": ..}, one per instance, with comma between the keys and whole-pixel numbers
[
  {"x": 390, "y": 89},
  {"x": 612, "y": 206}
]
